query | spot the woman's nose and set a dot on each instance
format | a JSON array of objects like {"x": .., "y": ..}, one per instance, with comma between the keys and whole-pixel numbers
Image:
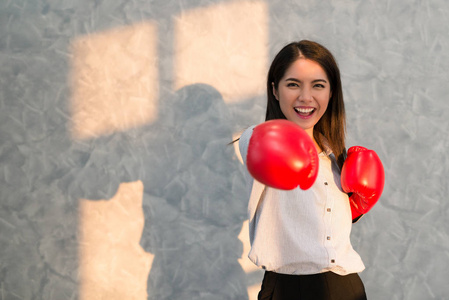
[{"x": 305, "y": 95}]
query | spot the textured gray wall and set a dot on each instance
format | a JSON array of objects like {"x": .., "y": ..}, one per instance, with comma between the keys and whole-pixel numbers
[{"x": 394, "y": 59}]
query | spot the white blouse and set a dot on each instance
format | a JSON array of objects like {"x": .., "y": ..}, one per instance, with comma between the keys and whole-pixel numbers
[{"x": 301, "y": 231}]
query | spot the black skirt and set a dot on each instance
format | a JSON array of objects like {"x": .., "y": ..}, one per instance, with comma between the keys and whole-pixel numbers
[{"x": 322, "y": 286}]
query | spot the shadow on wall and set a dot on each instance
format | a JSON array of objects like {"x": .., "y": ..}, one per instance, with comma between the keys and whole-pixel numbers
[{"x": 194, "y": 212}]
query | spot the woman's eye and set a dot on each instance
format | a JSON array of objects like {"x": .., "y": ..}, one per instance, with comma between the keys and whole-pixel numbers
[
  {"x": 319, "y": 86},
  {"x": 292, "y": 84}
]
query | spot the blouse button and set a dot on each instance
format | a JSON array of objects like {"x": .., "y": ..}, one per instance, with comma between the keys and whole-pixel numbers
[
  {"x": 325, "y": 183},
  {"x": 333, "y": 261},
  {"x": 328, "y": 238},
  {"x": 329, "y": 210}
]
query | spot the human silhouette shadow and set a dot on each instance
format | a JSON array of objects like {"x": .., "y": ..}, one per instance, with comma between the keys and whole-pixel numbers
[{"x": 193, "y": 218}]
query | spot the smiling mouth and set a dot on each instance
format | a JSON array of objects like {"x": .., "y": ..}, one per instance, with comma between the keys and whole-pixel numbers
[{"x": 304, "y": 111}]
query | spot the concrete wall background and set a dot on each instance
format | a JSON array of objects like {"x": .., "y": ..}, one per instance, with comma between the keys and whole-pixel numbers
[{"x": 66, "y": 156}]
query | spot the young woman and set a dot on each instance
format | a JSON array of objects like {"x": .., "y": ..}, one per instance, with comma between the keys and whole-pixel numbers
[{"x": 301, "y": 238}]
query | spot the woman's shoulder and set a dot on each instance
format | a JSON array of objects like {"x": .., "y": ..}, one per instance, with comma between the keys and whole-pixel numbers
[{"x": 246, "y": 134}]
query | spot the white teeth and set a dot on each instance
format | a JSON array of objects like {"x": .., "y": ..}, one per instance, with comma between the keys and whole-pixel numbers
[{"x": 304, "y": 110}]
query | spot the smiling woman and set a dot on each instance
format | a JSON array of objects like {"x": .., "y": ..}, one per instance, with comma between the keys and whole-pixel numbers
[{"x": 300, "y": 232}]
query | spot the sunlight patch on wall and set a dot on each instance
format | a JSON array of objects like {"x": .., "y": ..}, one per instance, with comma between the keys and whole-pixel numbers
[
  {"x": 114, "y": 80},
  {"x": 224, "y": 45},
  {"x": 113, "y": 265},
  {"x": 247, "y": 265}
]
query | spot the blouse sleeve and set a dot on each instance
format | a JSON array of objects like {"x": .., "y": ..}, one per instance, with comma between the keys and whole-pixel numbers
[
  {"x": 244, "y": 142},
  {"x": 255, "y": 188}
]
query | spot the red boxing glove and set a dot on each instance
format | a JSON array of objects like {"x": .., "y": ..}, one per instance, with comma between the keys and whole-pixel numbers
[
  {"x": 282, "y": 155},
  {"x": 362, "y": 175}
]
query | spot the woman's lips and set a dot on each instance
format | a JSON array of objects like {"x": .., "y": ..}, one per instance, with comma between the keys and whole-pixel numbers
[{"x": 304, "y": 112}]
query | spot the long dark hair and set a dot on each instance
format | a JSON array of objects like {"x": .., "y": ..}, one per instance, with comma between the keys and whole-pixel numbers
[{"x": 332, "y": 124}]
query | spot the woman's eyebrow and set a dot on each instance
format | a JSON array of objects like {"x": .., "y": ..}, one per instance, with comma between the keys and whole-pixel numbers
[{"x": 297, "y": 80}]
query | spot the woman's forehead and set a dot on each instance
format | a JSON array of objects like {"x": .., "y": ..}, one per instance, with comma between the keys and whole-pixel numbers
[{"x": 304, "y": 68}]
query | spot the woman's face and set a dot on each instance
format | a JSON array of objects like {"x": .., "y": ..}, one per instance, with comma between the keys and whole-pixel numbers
[{"x": 303, "y": 93}]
